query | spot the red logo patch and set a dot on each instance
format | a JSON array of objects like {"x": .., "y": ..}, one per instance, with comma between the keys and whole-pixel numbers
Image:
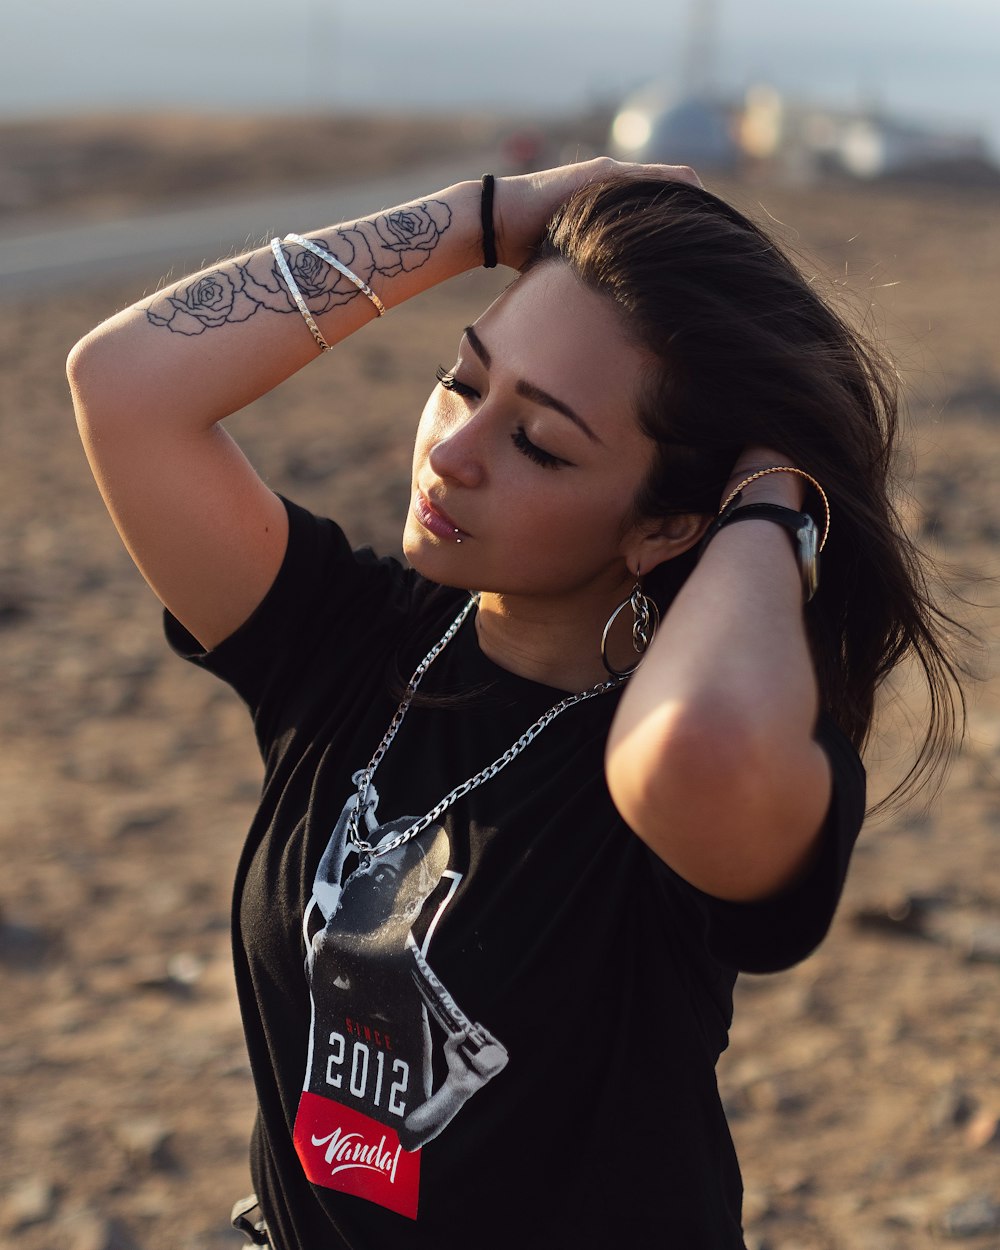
[{"x": 342, "y": 1149}]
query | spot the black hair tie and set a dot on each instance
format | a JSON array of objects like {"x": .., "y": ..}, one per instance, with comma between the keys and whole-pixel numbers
[{"x": 486, "y": 210}]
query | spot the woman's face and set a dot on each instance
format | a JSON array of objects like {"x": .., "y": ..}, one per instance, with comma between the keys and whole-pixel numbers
[{"x": 528, "y": 456}]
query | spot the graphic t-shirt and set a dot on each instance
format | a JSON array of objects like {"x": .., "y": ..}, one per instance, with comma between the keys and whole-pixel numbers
[{"x": 502, "y": 1031}]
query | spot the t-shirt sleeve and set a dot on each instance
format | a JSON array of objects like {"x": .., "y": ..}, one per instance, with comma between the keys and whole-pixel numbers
[
  {"x": 778, "y": 932},
  {"x": 319, "y": 609}
]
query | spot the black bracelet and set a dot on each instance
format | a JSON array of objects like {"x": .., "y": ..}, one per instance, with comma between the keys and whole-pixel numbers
[
  {"x": 800, "y": 526},
  {"x": 486, "y": 212}
]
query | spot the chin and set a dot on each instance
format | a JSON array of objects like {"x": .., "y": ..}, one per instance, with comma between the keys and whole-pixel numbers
[{"x": 434, "y": 561}]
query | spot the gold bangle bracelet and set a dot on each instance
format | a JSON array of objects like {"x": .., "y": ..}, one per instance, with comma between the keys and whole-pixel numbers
[{"x": 784, "y": 468}]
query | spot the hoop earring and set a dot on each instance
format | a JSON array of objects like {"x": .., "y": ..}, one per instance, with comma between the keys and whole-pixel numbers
[{"x": 645, "y": 620}]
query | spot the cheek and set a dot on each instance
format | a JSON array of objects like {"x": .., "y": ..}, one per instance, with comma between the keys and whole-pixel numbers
[
  {"x": 565, "y": 534},
  {"x": 436, "y": 423},
  {"x": 589, "y": 516},
  {"x": 426, "y": 434}
]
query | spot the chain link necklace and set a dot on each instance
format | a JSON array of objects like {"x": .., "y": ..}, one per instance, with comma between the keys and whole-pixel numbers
[{"x": 367, "y": 852}]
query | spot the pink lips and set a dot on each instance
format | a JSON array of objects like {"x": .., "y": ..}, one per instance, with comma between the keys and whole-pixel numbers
[{"x": 433, "y": 518}]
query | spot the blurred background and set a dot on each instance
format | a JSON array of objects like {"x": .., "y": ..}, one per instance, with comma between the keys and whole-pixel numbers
[
  {"x": 138, "y": 142},
  {"x": 927, "y": 61}
]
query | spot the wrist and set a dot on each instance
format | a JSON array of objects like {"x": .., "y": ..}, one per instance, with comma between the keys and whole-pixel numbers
[
  {"x": 466, "y": 199},
  {"x": 750, "y": 483},
  {"x": 785, "y": 489}
]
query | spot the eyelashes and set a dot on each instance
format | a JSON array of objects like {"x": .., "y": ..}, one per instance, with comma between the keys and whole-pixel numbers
[
  {"x": 524, "y": 445},
  {"x": 519, "y": 438},
  {"x": 451, "y": 383}
]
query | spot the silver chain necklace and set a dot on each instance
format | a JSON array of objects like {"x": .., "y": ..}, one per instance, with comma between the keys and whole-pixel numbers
[{"x": 367, "y": 852}]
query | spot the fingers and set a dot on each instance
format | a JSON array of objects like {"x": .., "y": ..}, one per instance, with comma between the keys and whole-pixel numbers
[
  {"x": 454, "y": 1041},
  {"x": 466, "y": 1040},
  {"x": 585, "y": 172},
  {"x": 524, "y": 203},
  {"x": 670, "y": 173},
  {"x": 751, "y": 459},
  {"x": 683, "y": 173}
]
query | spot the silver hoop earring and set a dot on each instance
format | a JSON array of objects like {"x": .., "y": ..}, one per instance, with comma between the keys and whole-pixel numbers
[{"x": 645, "y": 619}]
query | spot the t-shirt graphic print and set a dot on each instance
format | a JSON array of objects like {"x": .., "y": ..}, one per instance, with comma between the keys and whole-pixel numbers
[{"x": 368, "y": 1104}]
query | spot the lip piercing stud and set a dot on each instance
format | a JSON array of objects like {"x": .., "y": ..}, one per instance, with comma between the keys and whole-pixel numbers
[{"x": 457, "y": 531}]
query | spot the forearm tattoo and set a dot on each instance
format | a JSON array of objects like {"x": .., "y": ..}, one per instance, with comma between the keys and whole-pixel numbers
[{"x": 383, "y": 246}]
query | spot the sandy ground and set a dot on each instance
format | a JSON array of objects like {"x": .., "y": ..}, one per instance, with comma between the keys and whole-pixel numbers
[{"x": 863, "y": 1087}]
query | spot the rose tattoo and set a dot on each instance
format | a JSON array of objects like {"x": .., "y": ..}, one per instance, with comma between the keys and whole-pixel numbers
[
  {"x": 409, "y": 234},
  {"x": 390, "y": 243},
  {"x": 210, "y": 300}
]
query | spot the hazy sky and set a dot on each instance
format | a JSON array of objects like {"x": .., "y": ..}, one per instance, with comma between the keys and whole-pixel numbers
[{"x": 930, "y": 57}]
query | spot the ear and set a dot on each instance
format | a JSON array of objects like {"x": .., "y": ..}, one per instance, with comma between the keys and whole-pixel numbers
[{"x": 654, "y": 542}]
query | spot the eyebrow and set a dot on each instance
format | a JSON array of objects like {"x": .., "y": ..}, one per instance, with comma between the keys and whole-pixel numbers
[{"x": 529, "y": 390}]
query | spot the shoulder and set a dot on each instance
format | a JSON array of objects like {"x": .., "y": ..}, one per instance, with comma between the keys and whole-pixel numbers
[{"x": 329, "y": 607}]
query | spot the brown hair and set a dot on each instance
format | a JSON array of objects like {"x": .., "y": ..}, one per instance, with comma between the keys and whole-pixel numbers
[{"x": 749, "y": 354}]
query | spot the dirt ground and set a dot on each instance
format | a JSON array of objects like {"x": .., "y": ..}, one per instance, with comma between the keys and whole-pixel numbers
[{"x": 863, "y": 1087}]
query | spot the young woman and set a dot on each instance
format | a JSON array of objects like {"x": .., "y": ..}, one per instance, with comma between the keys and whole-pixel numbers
[{"x": 488, "y": 921}]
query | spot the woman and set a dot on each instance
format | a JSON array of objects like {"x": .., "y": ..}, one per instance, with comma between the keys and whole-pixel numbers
[{"x": 488, "y": 921}]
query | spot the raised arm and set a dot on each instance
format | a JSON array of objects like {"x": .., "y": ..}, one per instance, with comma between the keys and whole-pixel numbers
[
  {"x": 711, "y": 757},
  {"x": 151, "y": 385}
]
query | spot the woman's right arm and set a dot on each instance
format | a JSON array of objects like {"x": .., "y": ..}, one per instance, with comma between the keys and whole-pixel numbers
[{"x": 152, "y": 384}]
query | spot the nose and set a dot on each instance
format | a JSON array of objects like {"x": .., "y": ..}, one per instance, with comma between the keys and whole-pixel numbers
[{"x": 456, "y": 455}]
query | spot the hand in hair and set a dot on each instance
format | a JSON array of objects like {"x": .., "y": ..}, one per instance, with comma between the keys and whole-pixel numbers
[
  {"x": 524, "y": 204},
  {"x": 781, "y": 488}
]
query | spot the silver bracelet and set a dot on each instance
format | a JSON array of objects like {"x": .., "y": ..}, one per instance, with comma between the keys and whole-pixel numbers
[
  {"x": 318, "y": 250},
  {"x": 296, "y": 295}
]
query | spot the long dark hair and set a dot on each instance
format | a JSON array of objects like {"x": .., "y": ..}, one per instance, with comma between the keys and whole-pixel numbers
[{"x": 750, "y": 354}]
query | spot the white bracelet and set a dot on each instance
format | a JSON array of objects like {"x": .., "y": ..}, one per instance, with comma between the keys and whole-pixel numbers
[
  {"x": 317, "y": 250},
  {"x": 296, "y": 295}
]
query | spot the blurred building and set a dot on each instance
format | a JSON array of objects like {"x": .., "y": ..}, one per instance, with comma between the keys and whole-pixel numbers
[
  {"x": 807, "y": 139},
  {"x": 794, "y": 139},
  {"x": 691, "y": 121}
]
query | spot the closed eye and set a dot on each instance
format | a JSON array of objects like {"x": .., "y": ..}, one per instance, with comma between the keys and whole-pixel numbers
[
  {"x": 519, "y": 438},
  {"x": 450, "y": 383},
  {"x": 545, "y": 458}
]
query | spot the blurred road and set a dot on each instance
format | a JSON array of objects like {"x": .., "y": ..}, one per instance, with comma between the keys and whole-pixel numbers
[{"x": 185, "y": 239}]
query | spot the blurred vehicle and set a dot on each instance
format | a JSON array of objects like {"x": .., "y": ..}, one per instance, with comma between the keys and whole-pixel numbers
[{"x": 657, "y": 124}]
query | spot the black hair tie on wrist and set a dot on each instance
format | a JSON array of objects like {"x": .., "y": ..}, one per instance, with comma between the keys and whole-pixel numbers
[{"x": 486, "y": 210}]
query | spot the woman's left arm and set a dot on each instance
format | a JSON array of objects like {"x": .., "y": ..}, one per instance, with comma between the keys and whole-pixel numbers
[{"x": 711, "y": 758}]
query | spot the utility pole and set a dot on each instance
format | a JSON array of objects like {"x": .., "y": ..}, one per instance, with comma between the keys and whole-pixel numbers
[
  {"x": 698, "y": 73},
  {"x": 321, "y": 90}
]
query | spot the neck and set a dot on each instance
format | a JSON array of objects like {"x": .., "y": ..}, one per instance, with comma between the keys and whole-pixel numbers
[{"x": 557, "y": 647}]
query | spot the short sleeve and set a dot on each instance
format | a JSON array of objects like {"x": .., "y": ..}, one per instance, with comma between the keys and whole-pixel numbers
[
  {"x": 325, "y": 603},
  {"x": 776, "y": 933}
]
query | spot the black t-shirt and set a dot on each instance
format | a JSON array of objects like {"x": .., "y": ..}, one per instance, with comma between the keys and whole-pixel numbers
[{"x": 504, "y": 1031}]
